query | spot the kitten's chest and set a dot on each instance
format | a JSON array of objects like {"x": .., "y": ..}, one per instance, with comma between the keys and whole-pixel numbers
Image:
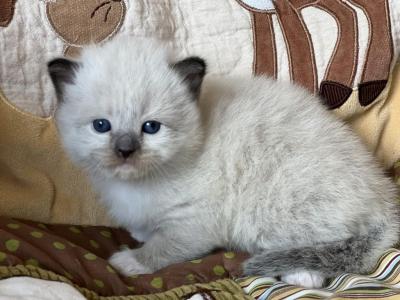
[{"x": 137, "y": 208}]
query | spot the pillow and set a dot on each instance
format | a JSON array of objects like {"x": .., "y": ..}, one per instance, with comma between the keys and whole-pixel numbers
[
  {"x": 37, "y": 180},
  {"x": 79, "y": 255},
  {"x": 380, "y": 124}
]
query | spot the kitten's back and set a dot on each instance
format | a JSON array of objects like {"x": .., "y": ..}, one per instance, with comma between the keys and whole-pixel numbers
[{"x": 282, "y": 156}]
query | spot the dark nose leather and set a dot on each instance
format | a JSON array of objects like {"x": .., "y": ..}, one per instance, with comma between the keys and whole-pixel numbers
[
  {"x": 126, "y": 145},
  {"x": 125, "y": 153}
]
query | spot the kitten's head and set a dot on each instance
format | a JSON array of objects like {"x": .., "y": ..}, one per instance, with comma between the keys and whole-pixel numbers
[{"x": 126, "y": 109}]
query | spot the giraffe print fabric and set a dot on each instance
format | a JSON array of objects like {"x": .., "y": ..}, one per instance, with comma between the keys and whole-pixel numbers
[{"x": 336, "y": 80}]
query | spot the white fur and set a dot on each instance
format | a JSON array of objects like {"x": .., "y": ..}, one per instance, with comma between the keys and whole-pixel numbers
[
  {"x": 255, "y": 164},
  {"x": 308, "y": 279},
  {"x": 126, "y": 263}
]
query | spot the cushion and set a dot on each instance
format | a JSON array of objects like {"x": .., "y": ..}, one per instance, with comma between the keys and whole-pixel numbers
[
  {"x": 37, "y": 180},
  {"x": 78, "y": 255}
]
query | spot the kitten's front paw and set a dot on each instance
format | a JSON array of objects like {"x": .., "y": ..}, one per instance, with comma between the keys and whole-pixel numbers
[
  {"x": 308, "y": 279},
  {"x": 126, "y": 263}
]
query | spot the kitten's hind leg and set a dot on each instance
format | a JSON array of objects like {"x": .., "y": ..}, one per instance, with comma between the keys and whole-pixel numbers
[
  {"x": 304, "y": 278},
  {"x": 354, "y": 255}
]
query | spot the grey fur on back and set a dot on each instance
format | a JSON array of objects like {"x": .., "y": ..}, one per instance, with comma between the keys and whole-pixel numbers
[{"x": 254, "y": 165}]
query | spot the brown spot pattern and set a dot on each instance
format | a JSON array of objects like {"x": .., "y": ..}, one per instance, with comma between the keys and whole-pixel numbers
[
  {"x": 81, "y": 22},
  {"x": 6, "y": 12}
]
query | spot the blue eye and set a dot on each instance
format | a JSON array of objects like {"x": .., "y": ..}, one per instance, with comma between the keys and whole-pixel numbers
[
  {"x": 151, "y": 127},
  {"x": 101, "y": 125}
]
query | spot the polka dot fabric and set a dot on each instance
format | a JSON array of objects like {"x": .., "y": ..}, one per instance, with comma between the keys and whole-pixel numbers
[{"x": 80, "y": 254}]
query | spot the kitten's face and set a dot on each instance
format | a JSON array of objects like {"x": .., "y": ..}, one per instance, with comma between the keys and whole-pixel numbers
[{"x": 126, "y": 112}]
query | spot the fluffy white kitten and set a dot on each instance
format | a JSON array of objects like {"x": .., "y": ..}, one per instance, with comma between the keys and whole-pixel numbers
[{"x": 248, "y": 164}]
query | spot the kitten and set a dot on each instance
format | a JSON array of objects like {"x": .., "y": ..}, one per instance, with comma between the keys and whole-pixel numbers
[{"x": 248, "y": 164}]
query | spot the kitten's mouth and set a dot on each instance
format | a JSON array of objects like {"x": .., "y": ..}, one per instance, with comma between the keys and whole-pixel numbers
[
  {"x": 132, "y": 167},
  {"x": 126, "y": 163},
  {"x": 123, "y": 168},
  {"x": 117, "y": 163},
  {"x": 132, "y": 163}
]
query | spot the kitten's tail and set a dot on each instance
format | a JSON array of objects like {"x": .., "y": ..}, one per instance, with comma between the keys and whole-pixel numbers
[{"x": 356, "y": 254}]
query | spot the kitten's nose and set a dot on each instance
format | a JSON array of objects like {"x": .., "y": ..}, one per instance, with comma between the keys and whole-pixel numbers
[
  {"x": 126, "y": 145},
  {"x": 125, "y": 153}
]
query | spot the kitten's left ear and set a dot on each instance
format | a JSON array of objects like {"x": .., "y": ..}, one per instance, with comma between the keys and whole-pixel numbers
[
  {"x": 192, "y": 70},
  {"x": 62, "y": 71}
]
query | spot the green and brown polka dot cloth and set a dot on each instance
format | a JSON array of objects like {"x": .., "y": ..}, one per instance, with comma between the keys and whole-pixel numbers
[{"x": 80, "y": 254}]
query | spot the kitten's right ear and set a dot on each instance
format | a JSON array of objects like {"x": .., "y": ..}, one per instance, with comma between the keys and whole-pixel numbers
[{"x": 62, "y": 71}]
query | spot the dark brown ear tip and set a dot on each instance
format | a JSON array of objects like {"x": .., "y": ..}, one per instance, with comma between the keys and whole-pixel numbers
[
  {"x": 61, "y": 71},
  {"x": 192, "y": 71},
  {"x": 201, "y": 62},
  {"x": 60, "y": 63},
  {"x": 55, "y": 61},
  {"x": 196, "y": 62}
]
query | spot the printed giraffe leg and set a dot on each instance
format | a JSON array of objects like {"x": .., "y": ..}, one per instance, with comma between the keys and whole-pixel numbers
[
  {"x": 265, "y": 61},
  {"x": 298, "y": 41},
  {"x": 337, "y": 85},
  {"x": 299, "y": 4},
  {"x": 380, "y": 50}
]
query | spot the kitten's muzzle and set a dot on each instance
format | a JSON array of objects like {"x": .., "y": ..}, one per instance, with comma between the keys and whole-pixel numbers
[{"x": 126, "y": 145}]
